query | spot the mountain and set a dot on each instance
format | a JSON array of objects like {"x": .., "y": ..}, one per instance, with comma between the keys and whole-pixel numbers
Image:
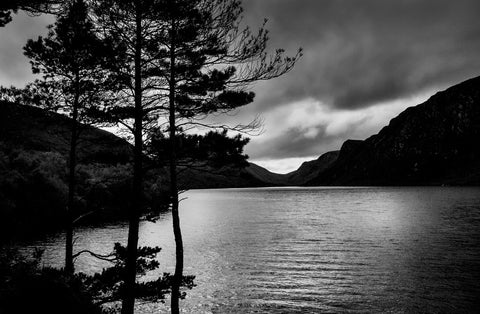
[
  {"x": 230, "y": 177},
  {"x": 257, "y": 176},
  {"x": 267, "y": 177},
  {"x": 311, "y": 169},
  {"x": 434, "y": 143},
  {"x": 34, "y": 129},
  {"x": 34, "y": 147}
]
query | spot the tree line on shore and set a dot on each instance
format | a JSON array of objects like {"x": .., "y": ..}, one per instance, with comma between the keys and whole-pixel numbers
[{"x": 157, "y": 70}]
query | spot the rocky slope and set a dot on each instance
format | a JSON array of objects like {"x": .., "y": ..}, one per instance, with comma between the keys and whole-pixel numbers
[
  {"x": 434, "y": 143},
  {"x": 311, "y": 169}
]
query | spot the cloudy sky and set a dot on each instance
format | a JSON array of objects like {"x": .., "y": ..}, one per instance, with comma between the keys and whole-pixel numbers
[{"x": 364, "y": 62}]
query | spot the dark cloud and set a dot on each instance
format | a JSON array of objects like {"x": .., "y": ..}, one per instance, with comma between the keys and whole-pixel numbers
[
  {"x": 360, "y": 53},
  {"x": 291, "y": 143},
  {"x": 302, "y": 142}
]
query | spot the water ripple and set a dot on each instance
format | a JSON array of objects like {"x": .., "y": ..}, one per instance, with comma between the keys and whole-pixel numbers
[{"x": 316, "y": 250}]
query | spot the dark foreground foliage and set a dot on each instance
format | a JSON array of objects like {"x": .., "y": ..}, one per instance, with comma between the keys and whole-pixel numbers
[
  {"x": 107, "y": 286},
  {"x": 25, "y": 287}
]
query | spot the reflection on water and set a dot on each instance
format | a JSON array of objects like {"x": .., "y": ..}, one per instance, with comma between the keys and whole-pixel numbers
[{"x": 316, "y": 250}]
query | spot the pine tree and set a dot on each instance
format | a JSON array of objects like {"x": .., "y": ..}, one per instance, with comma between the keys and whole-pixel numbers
[
  {"x": 182, "y": 60},
  {"x": 208, "y": 63},
  {"x": 72, "y": 61},
  {"x": 135, "y": 27}
]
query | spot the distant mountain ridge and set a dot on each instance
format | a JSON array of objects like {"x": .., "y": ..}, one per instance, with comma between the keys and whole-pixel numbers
[
  {"x": 311, "y": 169},
  {"x": 434, "y": 143}
]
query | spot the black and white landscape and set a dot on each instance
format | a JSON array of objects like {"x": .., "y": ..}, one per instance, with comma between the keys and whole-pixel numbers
[{"x": 174, "y": 156}]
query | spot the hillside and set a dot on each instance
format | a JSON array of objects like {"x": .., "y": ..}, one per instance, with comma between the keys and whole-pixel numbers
[
  {"x": 34, "y": 146},
  {"x": 434, "y": 143},
  {"x": 227, "y": 177},
  {"x": 311, "y": 169},
  {"x": 35, "y": 129}
]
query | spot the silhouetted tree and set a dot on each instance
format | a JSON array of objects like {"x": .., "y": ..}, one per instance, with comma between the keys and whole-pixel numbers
[
  {"x": 185, "y": 59},
  {"x": 206, "y": 152},
  {"x": 32, "y": 6},
  {"x": 26, "y": 287},
  {"x": 72, "y": 61},
  {"x": 52, "y": 291},
  {"x": 108, "y": 286},
  {"x": 207, "y": 61},
  {"x": 36, "y": 94},
  {"x": 136, "y": 26}
]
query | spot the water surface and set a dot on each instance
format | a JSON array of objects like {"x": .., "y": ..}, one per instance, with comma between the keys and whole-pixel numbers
[{"x": 315, "y": 250}]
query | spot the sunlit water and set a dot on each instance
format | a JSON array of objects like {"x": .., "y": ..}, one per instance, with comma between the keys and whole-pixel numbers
[{"x": 314, "y": 250}]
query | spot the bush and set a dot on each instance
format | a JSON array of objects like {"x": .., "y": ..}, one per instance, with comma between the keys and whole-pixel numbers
[{"x": 26, "y": 288}]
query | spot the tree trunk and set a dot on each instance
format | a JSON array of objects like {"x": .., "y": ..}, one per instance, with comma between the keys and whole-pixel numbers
[
  {"x": 69, "y": 267},
  {"x": 177, "y": 278},
  {"x": 128, "y": 302}
]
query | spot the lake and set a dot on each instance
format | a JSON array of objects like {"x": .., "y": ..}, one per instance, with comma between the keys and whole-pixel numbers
[{"x": 314, "y": 250}]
